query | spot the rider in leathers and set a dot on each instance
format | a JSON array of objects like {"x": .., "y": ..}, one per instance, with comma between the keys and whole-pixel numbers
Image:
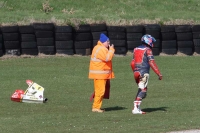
[{"x": 142, "y": 60}]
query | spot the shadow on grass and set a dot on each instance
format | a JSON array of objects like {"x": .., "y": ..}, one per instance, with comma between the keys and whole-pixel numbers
[
  {"x": 114, "y": 108},
  {"x": 154, "y": 109}
]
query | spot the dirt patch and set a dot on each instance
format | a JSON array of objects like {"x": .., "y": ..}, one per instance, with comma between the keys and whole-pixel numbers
[
  {"x": 187, "y": 131},
  {"x": 180, "y": 54},
  {"x": 4, "y": 57}
]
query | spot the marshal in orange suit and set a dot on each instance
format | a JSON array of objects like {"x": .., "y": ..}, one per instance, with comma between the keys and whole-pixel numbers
[{"x": 100, "y": 70}]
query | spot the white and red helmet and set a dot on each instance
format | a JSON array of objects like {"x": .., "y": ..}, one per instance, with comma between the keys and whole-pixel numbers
[{"x": 148, "y": 39}]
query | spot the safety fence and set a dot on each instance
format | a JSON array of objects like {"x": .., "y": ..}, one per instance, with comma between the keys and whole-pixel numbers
[{"x": 50, "y": 39}]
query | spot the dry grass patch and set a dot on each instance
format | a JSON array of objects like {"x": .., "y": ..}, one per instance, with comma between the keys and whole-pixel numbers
[{"x": 46, "y": 7}]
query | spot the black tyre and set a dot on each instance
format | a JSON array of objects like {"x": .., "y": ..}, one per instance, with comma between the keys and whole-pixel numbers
[
  {"x": 65, "y": 51},
  {"x": 171, "y": 51},
  {"x": 1, "y": 46},
  {"x": 96, "y": 35},
  {"x": 187, "y": 51},
  {"x": 11, "y": 44},
  {"x": 16, "y": 52},
  {"x": 118, "y": 43},
  {"x": 156, "y": 51},
  {"x": 29, "y": 51},
  {"x": 63, "y": 36},
  {"x": 152, "y": 27},
  {"x": 196, "y": 42},
  {"x": 48, "y": 50},
  {"x": 10, "y": 29},
  {"x": 197, "y": 50},
  {"x": 196, "y": 28},
  {"x": 63, "y": 29},
  {"x": 135, "y": 28},
  {"x": 98, "y": 27},
  {"x": 167, "y": 28},
  {"x": 169, "y": 44},
  {"x": 44, "y": 34},
  {"x": 117, "y": 35},
  {"x": 83, "y": 36},
  {"x": 43, "y": 26},
  {"x": 83, "y": 51},
  {"x": 196, "y": 35},
  {"x": 1, "y": 38},
  {"x": 134, "y": 36},
  {"x": 10, "y": 36},
  {"x": 154, "y": 33},
  {"x": 187, "y": 36},
  {"x": 28, "y": 38},
  {"x": 83, "y": 28},
  {"x": 133, "y": 44},
  {"x": 185, "y": 44},
  {"x": 64, "y": 44},
  {"x": 116, "y": 29},
  {"x": 168, "y": 36},
  {"x": 26, "y": 29},
  {"x": 1, "y": 53},
  {"x": 183, "y": 28},
  {"x": 27, "y": 45},
  {"x": 82, "y": 44},
  {"x": 45, "y": 41},
  {"x": 120, "y": 50},
  {"x": 157, "y": 44}
]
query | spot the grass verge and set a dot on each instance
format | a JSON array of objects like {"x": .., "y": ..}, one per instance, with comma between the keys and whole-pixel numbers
[{"x": 171, "y": 104}]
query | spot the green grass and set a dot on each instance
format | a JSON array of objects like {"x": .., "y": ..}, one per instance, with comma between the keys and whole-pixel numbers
[
  {"x": 171, "y": 104},
  {"x": 118, "y": 12}
]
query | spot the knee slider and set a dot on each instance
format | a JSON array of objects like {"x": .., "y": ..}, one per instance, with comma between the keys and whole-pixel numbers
[{"x": 142, "y": 94}]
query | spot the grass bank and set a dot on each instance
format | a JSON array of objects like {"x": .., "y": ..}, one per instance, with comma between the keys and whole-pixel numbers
[
  {"x": 171, "y": 104},
  {"x": 113, "y": 12}
]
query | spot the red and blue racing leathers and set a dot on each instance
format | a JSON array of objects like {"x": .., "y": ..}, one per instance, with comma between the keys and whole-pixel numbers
[{"x": 143, "y": 59}]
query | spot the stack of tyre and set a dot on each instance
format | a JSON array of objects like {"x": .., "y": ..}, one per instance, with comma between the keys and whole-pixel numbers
[
  {"x": 117, "y": 36},
  {"x": 154, "y": 30},
  {"x": 45, "y": 38},
  {"x": 1, "y": 43},
  {"x": 64, "y": 40},
  {"x": 11, "y": 40},
  {"x": 196, "y": 38},
  {"x": 184, "y": 39},
  {"x": 96, "y": 30},
  {"x": 82, "y": 40},
  {"x": 28, "y": 40},
  {"x": 168, "y": 34},
  {"x": 133, "y": 36}
]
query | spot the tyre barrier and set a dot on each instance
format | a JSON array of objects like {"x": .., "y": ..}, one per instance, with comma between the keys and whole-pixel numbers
[
  {"x": 133, "y": 36},
  {"x": 196, "y": 38},
  {"x": 28, "y": 40},
  {"x": 11, "y": 41},
  {"x": 83, "y": 40},
  {"x": 96, "y": 30},
  {"x": 184, "y": 39},
  {"x": 118, "y": 34},
  {"x": 44, "y": 33},
  {"x": 168, "y": 37},
  {"x": 64, "y": 43},
  {"x": 154, "y": 30},
  {"x": 50, "y": 39}
]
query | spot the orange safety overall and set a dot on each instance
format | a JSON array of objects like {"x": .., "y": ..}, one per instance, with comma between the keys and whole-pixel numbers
[{"x": 100, "y": 71}]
